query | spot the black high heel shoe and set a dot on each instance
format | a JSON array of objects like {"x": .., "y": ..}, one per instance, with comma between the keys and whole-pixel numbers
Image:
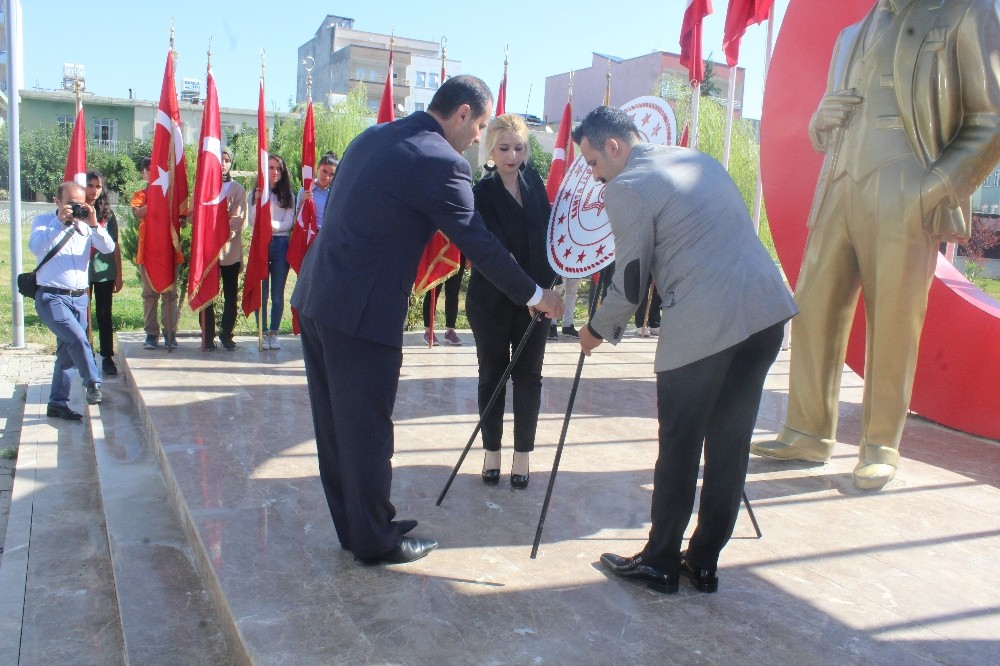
[
  {"x": 491, "y": 477},
  {"x": 518, "y": 481}
]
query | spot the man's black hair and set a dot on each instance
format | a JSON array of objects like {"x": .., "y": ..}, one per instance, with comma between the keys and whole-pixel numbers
[
  {"x": 459, "y": 90},
  {"x": 605, "y": 123}
]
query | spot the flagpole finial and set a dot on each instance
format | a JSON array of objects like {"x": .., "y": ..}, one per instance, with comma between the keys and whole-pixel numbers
[
  {"x": 262, "y": 64},
  {"x": 209, "y": 53},
  {"x": 506, "y": 50},
  {"x": 571, "y": 74},
  {"x": 78, "y": 92},
  {"x": 171, "y": 33},
  {"x": 308, "y": 63}
]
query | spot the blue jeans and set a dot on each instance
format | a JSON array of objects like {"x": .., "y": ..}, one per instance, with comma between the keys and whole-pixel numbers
[
  {"x": 277, "y": 270},
  {"x": 66, "y": 317}
]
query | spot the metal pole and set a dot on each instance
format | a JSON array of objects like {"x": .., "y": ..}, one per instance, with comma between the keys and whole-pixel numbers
[
  {"x": 14, "y": 50},
  {"x": 730, "y": 104},
  {"x": 758, "y": 189}
]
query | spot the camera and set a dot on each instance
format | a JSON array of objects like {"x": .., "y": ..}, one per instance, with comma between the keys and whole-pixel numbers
[{"x": 79, "y": 211}]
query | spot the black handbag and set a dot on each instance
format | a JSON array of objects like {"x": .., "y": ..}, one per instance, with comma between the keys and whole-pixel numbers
[{"x": 27, "y": 283}]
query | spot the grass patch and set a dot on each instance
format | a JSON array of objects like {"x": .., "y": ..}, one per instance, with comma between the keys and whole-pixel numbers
[{"x": 8, "y": 453}]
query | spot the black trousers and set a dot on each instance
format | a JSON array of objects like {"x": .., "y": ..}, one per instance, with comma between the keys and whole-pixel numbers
[
  {"x": 230, "y": 287},
  {"x": 452, "y": 286},
  {"x": 352, "y": 390},
  {"x": 103, "y": 293},
  {"x": 498, "y": 331},
  {"x": 712, "y": 401}
]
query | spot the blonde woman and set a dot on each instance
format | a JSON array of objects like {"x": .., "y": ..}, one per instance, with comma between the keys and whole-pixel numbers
[{"x": 511, "y": 198}]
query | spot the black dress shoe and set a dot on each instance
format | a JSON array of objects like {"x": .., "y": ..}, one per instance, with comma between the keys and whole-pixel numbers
[
  {"x": 62, "y": 412},
  {"x": 491, "y": 477},
  {"x": 704, "y": 580},
  {"x": 108, "y": 367},
  {"x": 632, "y": 568},
  {"x": 519, "y": 481},
  {"x": 409, "y": 550}
]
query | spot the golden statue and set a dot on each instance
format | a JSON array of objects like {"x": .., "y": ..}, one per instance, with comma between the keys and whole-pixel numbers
[{"x": 910, "y": 125}]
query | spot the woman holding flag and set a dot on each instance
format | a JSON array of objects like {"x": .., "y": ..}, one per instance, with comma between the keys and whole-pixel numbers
[
  {"x": 282, "y": 219},
  {"x": 515, "y": 207}
]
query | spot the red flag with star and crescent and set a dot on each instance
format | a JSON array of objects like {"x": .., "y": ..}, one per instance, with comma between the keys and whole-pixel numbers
[
  {"x": 76, "y": 159},
  {"x": 210, "y": 217},
  {"x": 741, "y": 15},
  {"x": 694, "y": 14},
  {"x": 562, "y": 154},
  {"x": 305, "y": 229},
  {"x": 260, "y": 241},
  {"x": 167, "y": 194}
]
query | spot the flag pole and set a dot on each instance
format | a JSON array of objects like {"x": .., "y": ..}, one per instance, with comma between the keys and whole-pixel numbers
[
  {"x": 260, "y": 310},
  {"x": 169, "y": 323},
  {"x": 77, "y": 91},
  {"x": 758, "y": 188},
  {"x": 201, "y": 312},
  {"x": 433, "y": 292},
  {"x": 730, "y": 110}
]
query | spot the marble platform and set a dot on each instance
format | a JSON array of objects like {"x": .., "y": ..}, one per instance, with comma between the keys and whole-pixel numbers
[{"x": 907, "y": 575}]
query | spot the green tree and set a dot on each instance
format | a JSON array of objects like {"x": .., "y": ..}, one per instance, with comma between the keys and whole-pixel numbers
[
  {"x": 744, "y": 148},
  {"x": 709, "y": 88},
  {"x": 336, "y": 127},
  {"x": 43, "y": 161},
  {"x": 540, "y": 159}
]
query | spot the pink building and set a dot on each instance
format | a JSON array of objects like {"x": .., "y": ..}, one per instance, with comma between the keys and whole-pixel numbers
[{"x": 630, "y": 78}]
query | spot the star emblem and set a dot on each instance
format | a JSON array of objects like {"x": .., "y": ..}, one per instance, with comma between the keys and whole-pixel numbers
[
  {"x": 646, "y": 118},
  {"x": 656, "y": 130},
  {"x": 568, "y": 252},
  {"x": 600, "y": 251},
  {"x": 562, "y": 239},
  {"x": 562, "y": 219},
  {"x": 581, "y": 256},
  {"x": 162, "y": 180}
]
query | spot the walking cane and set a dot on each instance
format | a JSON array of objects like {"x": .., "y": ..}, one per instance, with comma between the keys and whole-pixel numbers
[{"x": 489, "y": 405}]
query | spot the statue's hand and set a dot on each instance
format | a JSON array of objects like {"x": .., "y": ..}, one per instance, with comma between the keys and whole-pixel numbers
[{"x": 834, "y": 111}]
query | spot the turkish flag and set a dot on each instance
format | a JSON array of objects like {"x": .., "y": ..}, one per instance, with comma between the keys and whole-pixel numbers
[
  {"x": 691, "y": 58},
  {"x": 260, "y": 242},
  {"x": 76, "y": 159},
  {"x": 305, "y": 229},
  {"x": 562, "y": 154},
  {"x": 741, "y": 15},
  {"x": 210, "y": 218},
  {"x": 167, "y": 194},
  {"x": 502, "y": 94},
  {"x": 386, "y": 114}
]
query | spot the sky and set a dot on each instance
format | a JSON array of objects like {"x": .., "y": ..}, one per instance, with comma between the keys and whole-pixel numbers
[{"x": 123, "y": 43}]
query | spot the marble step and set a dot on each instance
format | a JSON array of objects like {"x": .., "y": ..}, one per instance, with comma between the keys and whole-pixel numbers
[
  {"x": 57, "y": 591},
  {"x": 167, "y": 612}
]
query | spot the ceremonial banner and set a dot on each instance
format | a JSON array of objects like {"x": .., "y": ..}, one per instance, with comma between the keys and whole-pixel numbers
[
  {"x": 580, "y": 238},
  {"x": 741, "y": 15},
  {"x": 501, "y": 107},
  {"x": 305, "y": 229},
  {"x": 210, "y": 216},
  {"x": 691, "y": 58},
  {"x": 386, "y": 113},
  {"x": 561, "y": 155},
  {"x": 261, "y": 240},
  {"x": 76, "y": 159},
  {"x": 167, "y": 194}
]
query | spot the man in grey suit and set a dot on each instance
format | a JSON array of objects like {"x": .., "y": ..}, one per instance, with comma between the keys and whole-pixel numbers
[
  {"x": 397, "y": 184},
  {"x": 677, "y": 215}
]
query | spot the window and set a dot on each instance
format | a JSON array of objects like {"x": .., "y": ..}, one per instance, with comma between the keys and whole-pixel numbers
[
  {"x": 359, "y": 74},
  {"x": 65, "y": 124},
  {"x": 418, "y": 106},
  {"x": 421, "y": 79},
  {"x": 105, "y": 130},
  {"x": 434, "y": 81}
]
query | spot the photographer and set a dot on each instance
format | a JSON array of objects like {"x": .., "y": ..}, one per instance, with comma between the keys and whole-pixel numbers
[{"x": 61, "y": 300}]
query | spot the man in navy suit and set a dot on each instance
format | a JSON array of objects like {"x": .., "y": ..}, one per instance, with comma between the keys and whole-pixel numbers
[{"x": 396, "y": 185}]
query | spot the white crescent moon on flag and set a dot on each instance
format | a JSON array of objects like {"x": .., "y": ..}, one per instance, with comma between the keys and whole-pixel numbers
[
  {"x": 213, "y": 146},
  {"x": 265, "y": 197},
  {"x": 580, "y": 238},
  {"x": 175, "y": 133}
]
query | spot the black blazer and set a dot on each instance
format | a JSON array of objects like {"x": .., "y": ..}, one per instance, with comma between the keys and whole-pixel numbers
[
  {"x": 521, "y": 230},
  {"x": 397, "y": 183}
]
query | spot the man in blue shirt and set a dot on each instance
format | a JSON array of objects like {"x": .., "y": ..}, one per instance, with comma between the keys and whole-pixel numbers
[{"x": 61, "y": 300}]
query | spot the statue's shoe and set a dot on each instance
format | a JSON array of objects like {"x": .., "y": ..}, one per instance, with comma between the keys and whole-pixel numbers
[
  {"x": 876, "y": 466},
  {"x": 791, "y": 445},
  {"x": 874, "y": 476}
]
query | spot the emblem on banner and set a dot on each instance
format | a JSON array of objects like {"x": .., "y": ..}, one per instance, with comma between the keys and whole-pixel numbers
[{"x": 580, "y": 238}]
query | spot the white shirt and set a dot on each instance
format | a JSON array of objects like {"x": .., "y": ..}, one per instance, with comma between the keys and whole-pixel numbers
[{"x": 68, "y": 268}]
